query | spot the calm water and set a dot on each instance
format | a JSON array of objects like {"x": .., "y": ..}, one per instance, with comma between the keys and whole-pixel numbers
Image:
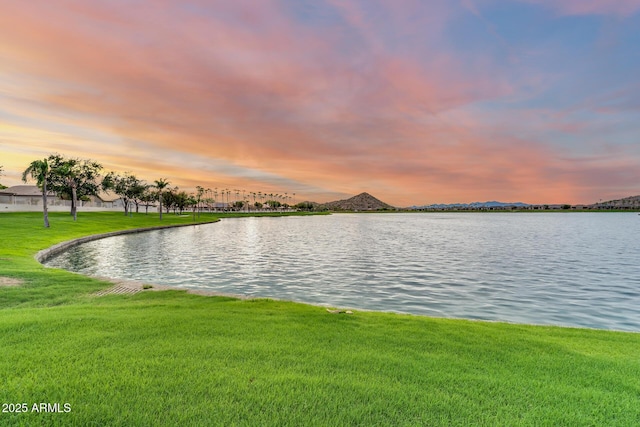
[{"x": 575, "y": 269}]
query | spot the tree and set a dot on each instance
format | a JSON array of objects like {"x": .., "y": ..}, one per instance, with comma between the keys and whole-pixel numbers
[
  {"x": 305, "y": 206},
  {"x": 161, "y": 184},
  {"x": 40, "y": 171},
  {"x": 127, "y": 186},
  {"x": 273, "y": 204},
  {"x": 2, "y": 187},
  {"x": 74, "y": 178},
  {"x": 140, "y": 195},
  {"x": 147, "y": 198},
  {"x": 169, "y": 199},
  {"x": 181, "y": 200},
  {"x": 194, "y": 202},
  {"x": 198, "y": 196}
]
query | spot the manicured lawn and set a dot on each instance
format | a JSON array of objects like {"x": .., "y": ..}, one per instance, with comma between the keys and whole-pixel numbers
[{"x": 170, "y": 358}]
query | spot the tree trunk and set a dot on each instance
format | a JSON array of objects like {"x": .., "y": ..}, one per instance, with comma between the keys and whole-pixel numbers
[
  {"x": 160, "y": 198},
  {"x": 45, "y": 211},
  {"x": 74, "y": 203}
]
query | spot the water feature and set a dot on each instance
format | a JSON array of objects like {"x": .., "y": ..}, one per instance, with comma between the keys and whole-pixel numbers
[{"x": 573, "y": 269}]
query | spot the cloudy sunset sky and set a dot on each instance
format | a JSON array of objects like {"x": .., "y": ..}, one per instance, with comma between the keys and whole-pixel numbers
[{"x": 414, "y": 101}]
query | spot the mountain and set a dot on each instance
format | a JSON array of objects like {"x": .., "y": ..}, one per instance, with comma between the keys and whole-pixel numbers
[
  {"x": 626, "y": 203},
  {"x": 474, "y": 205},
  {"x": 361, "y": 202}
]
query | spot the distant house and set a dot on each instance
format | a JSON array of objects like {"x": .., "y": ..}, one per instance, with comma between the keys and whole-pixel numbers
[
  {"x": 31, "y": 195},
  {"x": 25, "y": 195},
  {"x": 219, "y": 206},
  {"x": 104, "y": 200}
]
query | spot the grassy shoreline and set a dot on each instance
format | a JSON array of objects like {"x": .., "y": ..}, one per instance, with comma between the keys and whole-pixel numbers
[{"x": 170, "y": 358}]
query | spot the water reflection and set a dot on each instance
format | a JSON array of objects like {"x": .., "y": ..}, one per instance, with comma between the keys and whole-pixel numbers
[{"x": 576, "y": 269}]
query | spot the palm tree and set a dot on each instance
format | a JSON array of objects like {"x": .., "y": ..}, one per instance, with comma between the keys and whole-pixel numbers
[
  {"x": 161, "y": 184},
  {"x": 201, "y": 191},
  {"x": 39, "y": 170},
  {"x": 209, "y": 199}
]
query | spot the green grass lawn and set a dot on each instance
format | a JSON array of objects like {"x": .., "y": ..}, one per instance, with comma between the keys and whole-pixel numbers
[{"x": 171, "y": 358}]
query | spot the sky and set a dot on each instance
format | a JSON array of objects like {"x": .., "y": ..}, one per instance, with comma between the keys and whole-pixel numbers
[{"x": 413, "y": 101}]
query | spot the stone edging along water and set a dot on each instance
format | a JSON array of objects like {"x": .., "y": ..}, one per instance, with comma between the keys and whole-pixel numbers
[{"x": 45, "y": 254}]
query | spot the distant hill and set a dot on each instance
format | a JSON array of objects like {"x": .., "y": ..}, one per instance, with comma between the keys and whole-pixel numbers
[
  {"x": 361, "y": 202},
  {"x": 626, "y": 203},
  {"x": 474, "y": 205}
]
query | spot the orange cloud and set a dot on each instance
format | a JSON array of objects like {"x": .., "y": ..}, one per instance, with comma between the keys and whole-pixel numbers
[{"x": 240, "y": 94}]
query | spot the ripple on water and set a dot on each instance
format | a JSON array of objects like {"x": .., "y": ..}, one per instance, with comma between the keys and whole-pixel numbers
[{"x": 575, "y": 269}]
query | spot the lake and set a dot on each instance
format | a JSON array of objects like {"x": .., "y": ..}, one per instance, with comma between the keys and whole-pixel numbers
[{"x": 570, "y": 269}]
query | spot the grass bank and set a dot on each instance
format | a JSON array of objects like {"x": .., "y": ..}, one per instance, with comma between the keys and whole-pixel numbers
[{"x": 171, "y": 358}]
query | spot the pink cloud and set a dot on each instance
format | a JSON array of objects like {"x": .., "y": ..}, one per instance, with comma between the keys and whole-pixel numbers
[{"x": 243, "y": 93}]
